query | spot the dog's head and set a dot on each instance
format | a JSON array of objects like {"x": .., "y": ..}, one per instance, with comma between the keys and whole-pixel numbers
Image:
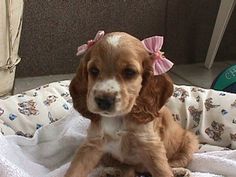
[{"x": 115, "y": 74}]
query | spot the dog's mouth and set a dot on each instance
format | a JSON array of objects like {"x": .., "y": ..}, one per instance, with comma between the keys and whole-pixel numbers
[
  {"x": 114, "y": 112},
  {"x": 110, "y": 114}
]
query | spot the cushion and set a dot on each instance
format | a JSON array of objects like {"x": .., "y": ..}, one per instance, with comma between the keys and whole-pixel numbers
[
  {"x": 24, "y": 113},
  {"x": 210, "y": 114}
]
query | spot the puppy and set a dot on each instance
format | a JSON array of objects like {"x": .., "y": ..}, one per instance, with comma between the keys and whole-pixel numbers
[{"x": 115, "y": 87}]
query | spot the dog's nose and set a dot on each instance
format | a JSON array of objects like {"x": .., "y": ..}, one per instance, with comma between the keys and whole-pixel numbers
[{"x": 105, "y": 102}]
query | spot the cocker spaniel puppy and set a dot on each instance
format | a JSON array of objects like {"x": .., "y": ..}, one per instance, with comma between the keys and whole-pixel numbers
[{"x": 116, "y": 88}]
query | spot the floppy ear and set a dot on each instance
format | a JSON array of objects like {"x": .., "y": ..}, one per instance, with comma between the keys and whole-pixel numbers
[
  {"x": 156, "y": 89},
  {"x": 78, "y": 91}
]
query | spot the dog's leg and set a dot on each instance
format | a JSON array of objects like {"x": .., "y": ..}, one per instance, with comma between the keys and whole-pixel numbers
[
  {"x": 181, "y": 172},
  {"x": 184, "y": 155},
  {"x": 115, "y": 168},
  {"x": 114, "y": 172},
  {"x": 86, "y": 159},
  {"x": 129, "y": 173},
  {"x": 153, "y": 154}
]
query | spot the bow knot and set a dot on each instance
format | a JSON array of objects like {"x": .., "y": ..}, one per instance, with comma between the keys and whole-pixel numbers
[
  {"x": 153, "y": 45},
  {"x": 159, "y": 55},
  {"x": 83, "y": 48}
]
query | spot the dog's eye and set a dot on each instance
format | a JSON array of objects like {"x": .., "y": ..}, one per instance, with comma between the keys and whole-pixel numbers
[
  {"x": 129, "y": 73},
  {"x": 94, "y": 71}
]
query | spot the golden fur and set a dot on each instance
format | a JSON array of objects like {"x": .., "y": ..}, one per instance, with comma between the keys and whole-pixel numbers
[{"x": 138, "y": 133}]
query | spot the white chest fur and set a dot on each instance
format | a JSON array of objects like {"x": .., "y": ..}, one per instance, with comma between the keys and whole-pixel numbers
[
  {"x": 115, "y": 132},
  {"x": 111, "y": 128},
  {"x": 112, "y": 125}
]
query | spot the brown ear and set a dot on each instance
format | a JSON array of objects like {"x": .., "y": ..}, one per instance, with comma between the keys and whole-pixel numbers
[
  {"x": 78, "y": 91},
  {"x": 154, "y": 93}
]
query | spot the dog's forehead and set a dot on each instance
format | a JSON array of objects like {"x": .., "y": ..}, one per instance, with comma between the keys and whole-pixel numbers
[
  {"x": 114, "y": 40},
  {"x": 117, "y": 39},
  {"x": 118, "y": 49}
]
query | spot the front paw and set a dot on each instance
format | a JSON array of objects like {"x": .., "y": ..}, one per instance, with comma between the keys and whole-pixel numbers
[
  {"x": 181, "y": 172},
  {"x": 110, "y": 172}
]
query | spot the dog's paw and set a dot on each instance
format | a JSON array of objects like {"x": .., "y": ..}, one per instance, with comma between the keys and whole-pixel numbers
[
  {"x": 181, "y": 172},
  {"x": 110, "y": 172}
]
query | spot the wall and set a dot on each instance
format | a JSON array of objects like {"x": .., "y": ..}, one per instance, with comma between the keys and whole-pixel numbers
[{"x": 53, "y": 29}]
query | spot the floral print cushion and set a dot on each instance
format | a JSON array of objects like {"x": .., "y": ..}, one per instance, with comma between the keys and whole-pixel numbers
[
  {"x": 23, "y": 114},
  {"x": 210, "y": 114}
]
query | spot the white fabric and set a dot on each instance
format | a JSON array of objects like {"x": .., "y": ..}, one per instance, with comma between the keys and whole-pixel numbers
[
  {"x": 218, "y": 162},
  {"x": 48, "y": 152},
  {"x": 10, "y": 29}
]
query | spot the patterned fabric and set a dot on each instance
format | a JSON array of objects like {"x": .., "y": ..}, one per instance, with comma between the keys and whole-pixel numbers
[
  {"x": 210, "y": 114},
  {"x": 24, "y": 113}
]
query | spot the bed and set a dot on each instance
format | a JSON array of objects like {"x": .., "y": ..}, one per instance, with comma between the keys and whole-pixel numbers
[{"x": 40, "y": 130}]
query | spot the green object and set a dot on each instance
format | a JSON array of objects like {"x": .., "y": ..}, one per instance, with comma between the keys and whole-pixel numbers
[{"x": 226, "y": 80}]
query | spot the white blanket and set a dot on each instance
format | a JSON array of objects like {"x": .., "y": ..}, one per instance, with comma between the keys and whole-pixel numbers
[{"x": 48, "y": 153}]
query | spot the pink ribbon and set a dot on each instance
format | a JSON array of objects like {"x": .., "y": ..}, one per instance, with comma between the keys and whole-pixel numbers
[
  {"x": 153, "y": 45},
  {"x": 83, "y": 48}
]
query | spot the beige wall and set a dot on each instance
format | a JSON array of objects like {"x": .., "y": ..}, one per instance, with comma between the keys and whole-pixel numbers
[{"x": 53, "y": 29}]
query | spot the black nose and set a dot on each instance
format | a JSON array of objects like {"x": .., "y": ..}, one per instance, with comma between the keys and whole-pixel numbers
[{"x": 105, "y": 102}]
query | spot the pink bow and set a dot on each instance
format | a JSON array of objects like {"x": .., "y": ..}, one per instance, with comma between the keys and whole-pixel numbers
[
  {"x": 81, "y": 49},
  {"x": 153, "y": 45}
]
